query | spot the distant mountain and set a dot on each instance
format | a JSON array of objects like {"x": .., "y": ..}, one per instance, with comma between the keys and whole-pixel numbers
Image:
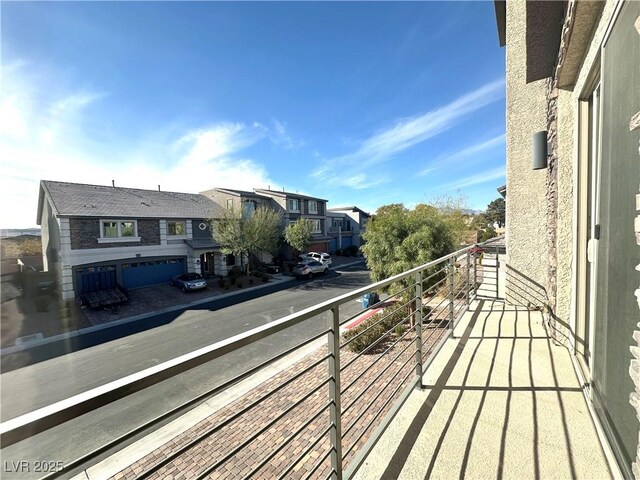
[{"x": 17, "y": 232}]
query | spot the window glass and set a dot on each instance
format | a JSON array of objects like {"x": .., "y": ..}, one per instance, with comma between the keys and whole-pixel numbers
[
  {"x": 313, "y": 206},
  {"x": 229, "y": 203},
  {"x": 293, "y": 204},
  {"x": 127, "y": 229},
  {"x": 109, "y": 229},
  {"x": 176, "y": 228}
]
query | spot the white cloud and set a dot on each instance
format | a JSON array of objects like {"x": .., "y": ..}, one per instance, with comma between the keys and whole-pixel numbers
[
  {"x": 409, "y": 132},
  {"x": 477, "y": 179},
  {"x": 476, "y": 150},
  {"x": 280, "y": 136},
  {"x": 54, "y": 143}
]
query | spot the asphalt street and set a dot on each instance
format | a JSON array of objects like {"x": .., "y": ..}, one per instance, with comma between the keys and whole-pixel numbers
[{"x": 163, "y": 338}]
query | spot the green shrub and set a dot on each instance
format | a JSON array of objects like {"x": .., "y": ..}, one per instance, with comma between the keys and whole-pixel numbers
[
  {"x": 389, "y": 319},
  {"x": 239, "y": 283},
  {"x": 222, "y": 283},
  {"x": 232, "y": 280},
  {"x": 265, "y": 278}
]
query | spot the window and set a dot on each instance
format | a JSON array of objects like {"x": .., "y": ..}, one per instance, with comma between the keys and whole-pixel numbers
[
  {"x": 231, "y": 260},
  {"x": 316, "y": 226},
  {"x": 229, "y": 203},
  {"x": 176, "y": 228},
  {"x": 294, "y": 205},
  {"x": 248, "y": 209},
  {"x": 313, "y": 206},
  {"x": 118, "y": 231}
]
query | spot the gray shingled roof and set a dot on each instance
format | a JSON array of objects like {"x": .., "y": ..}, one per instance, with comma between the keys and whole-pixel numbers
[{"x": 75, "y": 199}]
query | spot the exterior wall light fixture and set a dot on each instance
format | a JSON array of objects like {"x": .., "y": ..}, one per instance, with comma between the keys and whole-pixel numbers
[{"x": 540, "y": 150}]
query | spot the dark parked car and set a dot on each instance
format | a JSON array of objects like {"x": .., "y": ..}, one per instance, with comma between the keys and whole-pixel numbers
[
  {"x": 189, "y": 281},
  {"x": 308, "y": 269}
]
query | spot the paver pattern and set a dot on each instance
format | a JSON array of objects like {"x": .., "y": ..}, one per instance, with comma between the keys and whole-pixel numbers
[{"x": 284, "y": 433}]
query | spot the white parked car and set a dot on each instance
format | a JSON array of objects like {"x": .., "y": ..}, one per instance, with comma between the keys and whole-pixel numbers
[{"x": 324, "y": 258}]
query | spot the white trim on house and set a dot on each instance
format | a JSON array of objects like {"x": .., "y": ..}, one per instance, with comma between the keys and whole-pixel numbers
[{"x": 120, "y": 237}]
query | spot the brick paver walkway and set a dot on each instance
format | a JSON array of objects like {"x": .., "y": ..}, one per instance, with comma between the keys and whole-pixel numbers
[{"x": 277, "y": 451}]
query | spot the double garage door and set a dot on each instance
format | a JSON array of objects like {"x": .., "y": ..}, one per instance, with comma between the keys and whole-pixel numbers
[
  {"x": 129, "y": 274},
  {"x": 151, "y": 272}
]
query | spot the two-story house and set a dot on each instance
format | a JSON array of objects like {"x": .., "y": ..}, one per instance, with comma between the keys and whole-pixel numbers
[
  {"x": 244, "y": 201},
  {"x": 140, "y": 237},
  {"x": 347, "y": 226},
  {"x": 294, "y": 206}
]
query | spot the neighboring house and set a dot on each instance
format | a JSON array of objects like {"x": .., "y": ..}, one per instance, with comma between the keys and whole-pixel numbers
[
  {"x": 294, "y": 206},
  {"x": 573, "y": 174},
  {"x": 354, "y": 223},
  {"x": 142, "y": 237},
  {"x": 246, "y": 202}
]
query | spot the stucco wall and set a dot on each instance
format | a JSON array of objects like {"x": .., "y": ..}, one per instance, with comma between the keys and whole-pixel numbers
[{"x": 526, "y": 204}]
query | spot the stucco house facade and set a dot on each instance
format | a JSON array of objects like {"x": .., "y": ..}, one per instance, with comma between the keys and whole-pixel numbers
[
  {"x": 293, "y": 206},
  {"x": 347, "y": 226},
  {"x": 142, "y": 237},
  {"x": 573, "y": 176}
]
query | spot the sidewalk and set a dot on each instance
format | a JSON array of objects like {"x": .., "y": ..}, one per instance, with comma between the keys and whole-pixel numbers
[
  {"x": 363, "y": 396},
  {"x": 152, "y": 301}
]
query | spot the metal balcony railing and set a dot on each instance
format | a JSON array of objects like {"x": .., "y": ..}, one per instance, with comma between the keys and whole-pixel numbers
[{"x": 342, "y": 397}]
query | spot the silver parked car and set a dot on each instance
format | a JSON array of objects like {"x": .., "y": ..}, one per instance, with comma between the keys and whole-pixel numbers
[
  {"x": 320, "y": 257},
  {"x": 308, "y": 269},
  {"x": 189, "y": 281}
]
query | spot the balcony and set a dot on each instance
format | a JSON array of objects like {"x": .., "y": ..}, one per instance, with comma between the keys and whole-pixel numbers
[{"x": 462, "y": 384}]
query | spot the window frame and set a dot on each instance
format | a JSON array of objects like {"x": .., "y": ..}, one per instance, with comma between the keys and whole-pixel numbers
[
  {"x": 290, "y": 203},
  {"x": 315, "y": 206},
  {"x": 177, "y": 235},
  {"x": 315, "y": 222},
  {"x": 119, "y": 238}
]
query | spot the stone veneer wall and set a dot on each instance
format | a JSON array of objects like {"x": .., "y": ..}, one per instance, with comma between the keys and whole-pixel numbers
[
  {"x": 85, "y": 232},
  {"x": 560, "y": 183},
  {"x": 634, "y": 369}
]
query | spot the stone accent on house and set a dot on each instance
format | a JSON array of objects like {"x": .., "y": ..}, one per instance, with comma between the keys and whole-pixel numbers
[
  {"x": 634, "y": 368},
  {"x": 84, "y": 233}
]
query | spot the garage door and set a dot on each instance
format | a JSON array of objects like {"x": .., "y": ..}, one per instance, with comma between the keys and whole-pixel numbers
[
  {"x": 152, "y": 272},
  {"x": 318, "y": 247}
]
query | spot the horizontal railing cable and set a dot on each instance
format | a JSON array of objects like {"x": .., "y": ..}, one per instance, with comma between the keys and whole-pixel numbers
[
  {"x": 317, "y": 465},
  {"x": 380, "y": 357},
  {"x": 373, "y": 344},
  {"x": 211, "y": 431},
  {"x": 93, "y": 454},
  {"x": 400, "y": 385},
  {"x": 262, "y": 430},
  {"x": 355, "y": 421},
  {"x": 382, "y": 319},
  {"x": 364, "y": 390},
  {"x": 286, "y": 441},
  {"x": 304, "y": 453}
]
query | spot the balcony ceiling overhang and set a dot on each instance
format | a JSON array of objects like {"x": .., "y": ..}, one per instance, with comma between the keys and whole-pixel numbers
[
  {"x": 586, "y": 16},
  {"x": 544, "y": 20}
]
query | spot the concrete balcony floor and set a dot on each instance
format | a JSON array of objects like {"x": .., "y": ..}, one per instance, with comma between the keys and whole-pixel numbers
[{"x": 500, "y": 401}]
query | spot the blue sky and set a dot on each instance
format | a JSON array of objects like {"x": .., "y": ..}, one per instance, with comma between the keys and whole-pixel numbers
[{"x": 360, "y": 103}]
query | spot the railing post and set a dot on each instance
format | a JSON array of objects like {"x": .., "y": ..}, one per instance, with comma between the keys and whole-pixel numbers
[
  {"x": 468, "y": 284},
  {"x": 497, "y": 268},
  {"x": 417, "y": 315},
  {"x": 335, "y": 409},
  {"x": 475, "y": 273},
  {"x": 452, "y": 268}
]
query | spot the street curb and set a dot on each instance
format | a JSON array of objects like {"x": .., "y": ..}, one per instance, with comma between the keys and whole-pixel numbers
[
  {"x": 142, "y": 316},
  {"x": 113, "y": 464}
]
